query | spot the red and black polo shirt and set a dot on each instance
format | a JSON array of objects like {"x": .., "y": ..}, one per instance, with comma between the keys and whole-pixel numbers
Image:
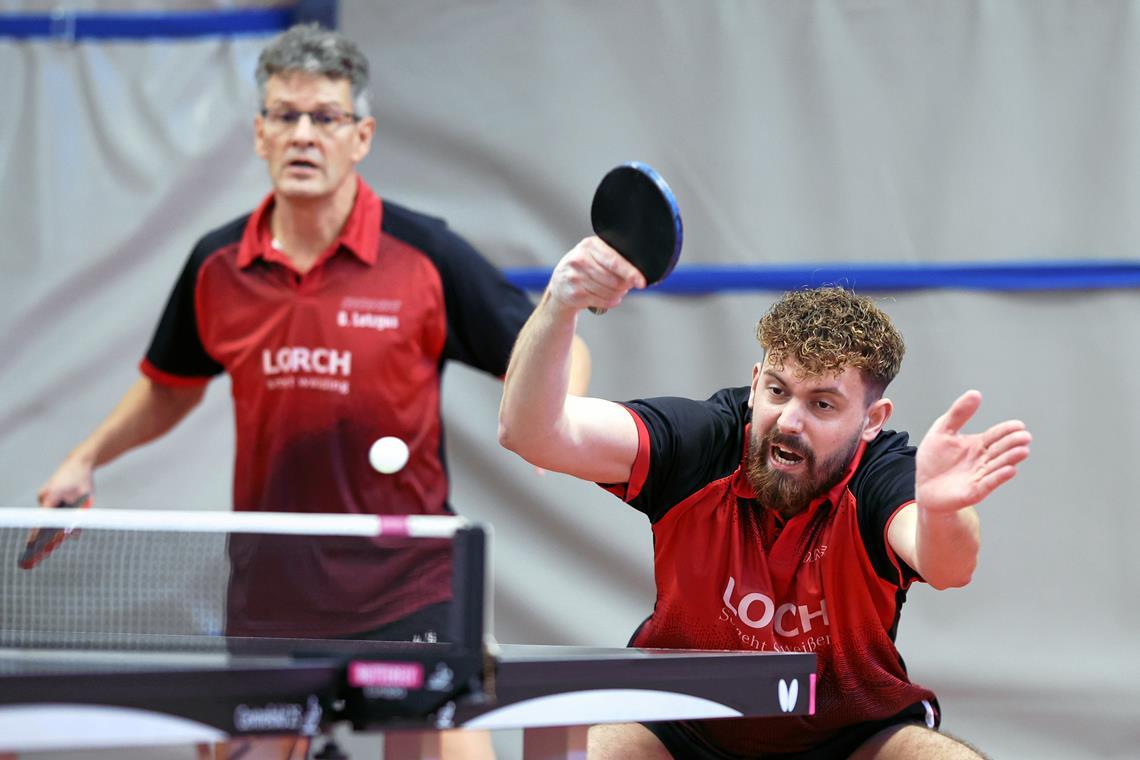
[
  {"x": 733, "y": 575},
  {"x": 322, "y": 364}
]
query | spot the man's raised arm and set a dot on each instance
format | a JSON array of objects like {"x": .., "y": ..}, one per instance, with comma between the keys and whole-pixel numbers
[
  {"x": 589, "y": 438},
  {"x": 939, "y": 536}
]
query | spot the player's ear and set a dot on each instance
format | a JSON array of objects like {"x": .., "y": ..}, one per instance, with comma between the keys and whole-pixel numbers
[
  {"x": 877, "y": 415},
  {"x": 365, "y": 129},
  {"x": 259, "y": 135},
  {"x": 755, "y": 382}
]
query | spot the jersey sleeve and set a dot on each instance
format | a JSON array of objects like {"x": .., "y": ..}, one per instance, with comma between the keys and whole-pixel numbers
[
  {"x": 485, "y": 312},
  {"x": 176, "y": 355},
  {"x": 883, "y": 484},
  {"x": 684, "y": 444}
]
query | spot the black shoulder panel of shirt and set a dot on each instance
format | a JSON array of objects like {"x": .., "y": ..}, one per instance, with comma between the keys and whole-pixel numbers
[
  {"x": 176, "y": 347},
  {"x": 691, "y": 444},
  {"x": 882, "y": 483},
  {"x": 484, "y": 311},
  {"x": 229, "y": 233}
]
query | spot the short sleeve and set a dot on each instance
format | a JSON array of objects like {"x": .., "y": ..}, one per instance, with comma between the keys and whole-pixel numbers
[
  {"x": 176, "y": 354},
  {"x": 884, "y": 483},
  {"x": 485, "y": 312},
  {"x": 688, "y": 444}
]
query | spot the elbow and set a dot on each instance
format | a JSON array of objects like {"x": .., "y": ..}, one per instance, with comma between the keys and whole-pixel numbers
[
  {"x": 507, "y": 432},
  {"x": 944, "y": 584},
  {"x": 178, "y": 401},
  {"x": 511, "y": 437},
  {"x": 524, "y": 441},
  {"x": 506, "y": 439},
  {"x": 956, "y": 579}
]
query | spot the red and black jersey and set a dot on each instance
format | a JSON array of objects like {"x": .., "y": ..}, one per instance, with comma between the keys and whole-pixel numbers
[
  {"x": 323, "y": 364},
  {"x": 731, "y": 574}
]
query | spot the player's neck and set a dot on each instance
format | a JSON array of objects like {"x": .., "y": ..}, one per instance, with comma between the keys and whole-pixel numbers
[{"x": 303, "y": 228}]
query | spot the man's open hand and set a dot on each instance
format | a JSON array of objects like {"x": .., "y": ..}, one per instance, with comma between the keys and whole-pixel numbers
[{"x": 957, "y": 470}]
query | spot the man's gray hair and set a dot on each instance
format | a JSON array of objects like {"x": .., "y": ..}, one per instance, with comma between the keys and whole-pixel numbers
[{"x": 309, "y": 49}]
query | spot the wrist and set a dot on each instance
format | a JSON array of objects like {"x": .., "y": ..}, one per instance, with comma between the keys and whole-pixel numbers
[
  {"x": 931, "y": 515},
  {"x": 945, "y": 517},
  {"x": 930, "y": 507},
  {"x": 84, "y": 456},
  {"x": 558, "y": 309}
]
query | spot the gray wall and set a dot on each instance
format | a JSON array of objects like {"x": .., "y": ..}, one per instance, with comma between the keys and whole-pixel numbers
[{"x": 792, "y": 133}]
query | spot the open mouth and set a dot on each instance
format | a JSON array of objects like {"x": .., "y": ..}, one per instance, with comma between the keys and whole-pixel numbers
[
  {"x": 785, "y": 456},
  {"x": 301, "y": 165}
]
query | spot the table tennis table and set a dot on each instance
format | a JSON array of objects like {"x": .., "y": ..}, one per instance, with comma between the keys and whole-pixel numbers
[
  {"x": 67, "y": 692},
  {"x": 70, "y": 699}
]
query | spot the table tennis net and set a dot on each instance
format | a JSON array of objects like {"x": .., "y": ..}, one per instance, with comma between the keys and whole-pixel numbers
[
  {"x": 113, "y": 585},
  {"x": 153, "y": 588}
]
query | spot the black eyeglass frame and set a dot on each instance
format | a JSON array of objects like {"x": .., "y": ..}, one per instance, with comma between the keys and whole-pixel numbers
[{"x": 355, "y": 117}]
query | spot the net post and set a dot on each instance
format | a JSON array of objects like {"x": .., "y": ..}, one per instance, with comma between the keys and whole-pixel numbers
[{"x": 470, "y": 588}]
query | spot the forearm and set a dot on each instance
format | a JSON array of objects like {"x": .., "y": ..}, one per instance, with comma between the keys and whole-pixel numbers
[
  {"x": 946, "y": 546},
  {"x": 538, "y": 377},
  {"x": 580, "y": 367},
  {"x": 145, "y": 412}
]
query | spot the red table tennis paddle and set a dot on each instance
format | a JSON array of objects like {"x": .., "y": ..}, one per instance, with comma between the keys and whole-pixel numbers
[
  {"x": 43, "y": 541},
  {"x": 635, "y": 212}
]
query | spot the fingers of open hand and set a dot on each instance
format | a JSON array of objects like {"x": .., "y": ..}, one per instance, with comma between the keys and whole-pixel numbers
[
  {"x": 1010, "y": 458},
  {"x": 998, "y": 461},
  {"x": 959, "y": 413},
  {"x": 1007, "y": 454},
  {"x": 1012, "y": 444},
  {"x": 993, "y": 479},
  {"x": 1003, "y": 432},
  {"x": 1004, "y": 445}
]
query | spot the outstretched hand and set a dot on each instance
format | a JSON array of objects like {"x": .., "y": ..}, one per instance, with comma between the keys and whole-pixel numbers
[{"x": 956, "y": 470}]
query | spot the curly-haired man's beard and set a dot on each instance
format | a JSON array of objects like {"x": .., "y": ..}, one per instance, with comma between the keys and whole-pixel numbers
[{"x": 788, "y": 494}]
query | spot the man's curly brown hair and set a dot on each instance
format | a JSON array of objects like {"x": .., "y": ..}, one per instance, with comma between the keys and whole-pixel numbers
[{"x": 826, "y": 330}]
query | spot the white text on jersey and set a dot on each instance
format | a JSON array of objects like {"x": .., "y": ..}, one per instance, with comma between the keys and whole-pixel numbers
[
  {"x": 321, "y": 361},
  {"x": 758, "y": 610}
]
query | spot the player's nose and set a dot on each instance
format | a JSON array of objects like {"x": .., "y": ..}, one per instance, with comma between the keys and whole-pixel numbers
[
  {"x": 304, "y": 130},
  {"x": 791, "y": 418}
]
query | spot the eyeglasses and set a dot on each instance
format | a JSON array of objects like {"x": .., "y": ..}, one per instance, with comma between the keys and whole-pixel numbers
[{"x": 324, "y": 119}]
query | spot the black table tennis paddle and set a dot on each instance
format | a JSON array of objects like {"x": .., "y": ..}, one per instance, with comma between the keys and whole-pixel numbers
[
  {"x": 43, "y": 541},
  {"x": 635, "y": 212}
]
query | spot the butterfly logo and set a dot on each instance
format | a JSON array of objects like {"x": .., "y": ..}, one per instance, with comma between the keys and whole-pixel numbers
[{"x": 789, "y": 693}]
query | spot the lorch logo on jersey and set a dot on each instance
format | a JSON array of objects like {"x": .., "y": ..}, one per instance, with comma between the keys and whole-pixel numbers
[
  {"x": 320, "y": 361},
  {"x": 758, "y": 610}
]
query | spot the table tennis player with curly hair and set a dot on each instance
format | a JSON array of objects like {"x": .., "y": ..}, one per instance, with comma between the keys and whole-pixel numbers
[{"x": 785, "y": 516}]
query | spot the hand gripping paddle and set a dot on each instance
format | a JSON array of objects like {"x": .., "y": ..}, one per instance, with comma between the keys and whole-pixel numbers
[
  {"x": 635, "y": 212},
  {"x": 43, "y": 541}
]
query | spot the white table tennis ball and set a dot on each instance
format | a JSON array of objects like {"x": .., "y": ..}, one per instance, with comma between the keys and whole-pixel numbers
[{"x": 388, "y": 455}]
